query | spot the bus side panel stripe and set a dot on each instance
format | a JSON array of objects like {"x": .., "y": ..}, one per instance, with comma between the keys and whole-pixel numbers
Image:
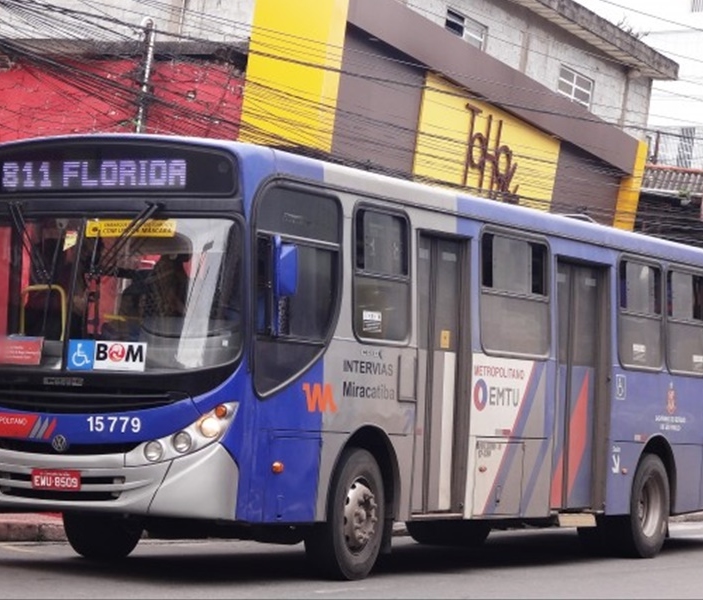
[
  {"x": 577, "y": 433},
  {"x": 447, "y": 428},
  {"x": 526, "y": 406}
]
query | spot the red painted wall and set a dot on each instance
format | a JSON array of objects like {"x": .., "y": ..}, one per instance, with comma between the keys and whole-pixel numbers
[
  {"x": 89, "y": 96},
  {"x": 100, "y": 96}
]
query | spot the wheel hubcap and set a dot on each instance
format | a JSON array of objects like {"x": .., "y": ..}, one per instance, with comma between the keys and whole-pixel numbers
[
  {"x": 360, "y": 515},
  {"x": 650, "y": 508}
]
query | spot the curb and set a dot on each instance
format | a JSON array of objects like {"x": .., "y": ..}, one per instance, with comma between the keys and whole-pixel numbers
[
  {"x": 42, "y": 527},
  {"x": 42, "y": 531},
  {"x": 33, "y": 527}
]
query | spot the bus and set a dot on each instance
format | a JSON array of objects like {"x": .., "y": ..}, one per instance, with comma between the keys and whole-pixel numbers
[{"x": 328, "y": 352}]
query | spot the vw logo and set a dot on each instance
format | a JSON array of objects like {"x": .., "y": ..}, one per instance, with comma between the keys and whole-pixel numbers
[{"x": 59, "y": 443}]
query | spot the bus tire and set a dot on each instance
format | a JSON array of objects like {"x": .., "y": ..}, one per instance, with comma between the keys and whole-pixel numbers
[
  {"x": 347, "y": 545},
  {"x": 101, "y": 537},
  {"x": 465, "y": 534},
  {"x": 643, "y": 531}
]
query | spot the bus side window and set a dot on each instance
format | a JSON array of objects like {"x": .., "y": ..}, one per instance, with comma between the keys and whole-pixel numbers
[
  {"x": 292, "y": 332},
  {"x": 640, "y": 316},
  {"x": 684, "y": 340},
  {"x": 263, "y": 285},
  {"x": 698, "y": 298},
  {"x": 381, "y": 279},
  {"x": 514, "y": 301},
  {"x": 623, "y": 285}
]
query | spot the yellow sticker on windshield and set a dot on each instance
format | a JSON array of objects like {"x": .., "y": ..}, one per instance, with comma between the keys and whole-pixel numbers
[{"x": 116, "y": 227}]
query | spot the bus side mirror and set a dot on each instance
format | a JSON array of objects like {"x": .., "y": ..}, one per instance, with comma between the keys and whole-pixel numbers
[
  {"x": 285, "y": 268},
  {"x": 285, "y": 282}
]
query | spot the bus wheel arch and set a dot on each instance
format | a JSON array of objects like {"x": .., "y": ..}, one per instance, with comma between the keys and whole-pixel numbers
[
  {"x": 641, "y": 533},
  {"x": 659, "y": 446},
  {"x": 359, "y": 509}
]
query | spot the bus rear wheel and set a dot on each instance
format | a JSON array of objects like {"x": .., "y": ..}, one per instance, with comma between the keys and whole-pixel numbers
[
  {"x": 101, "y": 537},
  {"x": 348, "y": 544},
  {"x": 643, "y": 531}
]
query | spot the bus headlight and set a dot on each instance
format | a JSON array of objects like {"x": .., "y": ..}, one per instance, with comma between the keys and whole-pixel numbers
[
  {"x": 210, "y": 426},
  {"x": 153, "y": 451},
  {"x": 206, "y": 430},
  {"x": 182, "y": 442}
]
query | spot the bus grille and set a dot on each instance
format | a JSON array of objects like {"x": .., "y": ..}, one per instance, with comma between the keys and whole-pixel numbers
[
  {"x": 17, "y": 445},
  {"x": 42, "y": 400}
]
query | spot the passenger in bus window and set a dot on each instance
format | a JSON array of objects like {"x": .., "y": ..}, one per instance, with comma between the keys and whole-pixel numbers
[
  {"x": 166, "y": 287},
  {"x": 126, "y": 324},
  {"x": 136, "y": 274}
]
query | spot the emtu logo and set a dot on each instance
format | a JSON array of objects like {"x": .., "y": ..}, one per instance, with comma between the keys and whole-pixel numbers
[
  {"x": 319, "y": 398},
  {"x": 480, "y": 394}
]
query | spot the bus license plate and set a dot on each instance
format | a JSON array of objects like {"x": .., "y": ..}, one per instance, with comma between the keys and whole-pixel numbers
[{"x": 49, "y": 479}]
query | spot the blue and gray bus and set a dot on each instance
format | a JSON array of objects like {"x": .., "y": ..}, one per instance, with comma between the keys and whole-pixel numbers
[{"x": 204, "y": 338}]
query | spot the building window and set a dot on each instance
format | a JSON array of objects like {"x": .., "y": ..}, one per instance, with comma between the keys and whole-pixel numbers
[
  {"x": 575, "y": 87},
  {"x": 466, "y": 28},
  {"x": 696, "y": 5},
  {"x": 684, "y": 154}
]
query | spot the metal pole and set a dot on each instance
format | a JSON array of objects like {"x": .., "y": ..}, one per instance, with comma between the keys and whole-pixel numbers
[{"x": 149, "y": 36}]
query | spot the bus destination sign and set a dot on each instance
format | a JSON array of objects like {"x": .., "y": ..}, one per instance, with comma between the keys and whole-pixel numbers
[
  {"x": 114, "y": 168},
  {"x": 126, "y": 174}
]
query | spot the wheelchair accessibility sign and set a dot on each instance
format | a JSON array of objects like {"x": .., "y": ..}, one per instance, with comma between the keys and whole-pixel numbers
[{"x": 89, "y": 355}]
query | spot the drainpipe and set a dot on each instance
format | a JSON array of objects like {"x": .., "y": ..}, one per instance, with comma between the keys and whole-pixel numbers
[
  {"x": 182, "y": 17},
  {"x": 149, "y": 36}
]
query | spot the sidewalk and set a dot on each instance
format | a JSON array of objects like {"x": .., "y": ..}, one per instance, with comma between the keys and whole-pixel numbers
[
  {"x": 48, "y": 527},
  {"x": 31, "y": 527}
]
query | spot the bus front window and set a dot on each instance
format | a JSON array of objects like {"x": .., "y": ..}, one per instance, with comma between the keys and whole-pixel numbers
[{"x": 169, "y": 291}]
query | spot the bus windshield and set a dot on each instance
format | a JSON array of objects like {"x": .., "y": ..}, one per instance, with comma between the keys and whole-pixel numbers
[{"x": 120, "y": 294}]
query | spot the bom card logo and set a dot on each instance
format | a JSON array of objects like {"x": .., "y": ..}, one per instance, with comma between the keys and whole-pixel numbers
[{"x": 88, "y": 355}]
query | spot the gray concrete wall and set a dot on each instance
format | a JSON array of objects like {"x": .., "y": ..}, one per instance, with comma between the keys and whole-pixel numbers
[
  {"x": 525, "y": 41},
  {"x": 119, "y": 20}
]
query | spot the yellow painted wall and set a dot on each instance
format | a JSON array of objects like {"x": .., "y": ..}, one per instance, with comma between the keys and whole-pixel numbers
[
  {"x": 526, "y": 165},
  {"x": 629, "y": 193},
  {"x": 292, "y": 79}
]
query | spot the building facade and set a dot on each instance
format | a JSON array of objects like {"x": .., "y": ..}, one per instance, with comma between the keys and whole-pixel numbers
[
  {"x": 538, "y": 102},
  {"x": 672, "y": 188}
]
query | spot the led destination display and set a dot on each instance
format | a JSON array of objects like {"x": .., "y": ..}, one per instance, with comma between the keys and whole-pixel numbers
[
  {"x": 169, "y": 174},
  {"x": 45, "y": 168}
]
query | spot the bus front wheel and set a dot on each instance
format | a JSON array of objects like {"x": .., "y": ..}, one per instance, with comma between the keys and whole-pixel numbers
[
  {"x": 644, "y": 530},
  {"x": 347, "y": 545},
  {"x": 101, "y": 537}
]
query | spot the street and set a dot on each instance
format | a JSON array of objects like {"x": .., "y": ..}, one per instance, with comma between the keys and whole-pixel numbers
[{"x": 527, "y": 564}]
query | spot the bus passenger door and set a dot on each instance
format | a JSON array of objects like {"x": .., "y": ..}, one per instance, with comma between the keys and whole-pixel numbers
[
  {"x": 579, "y": 298},
  {"x": 440, "y": 453}
]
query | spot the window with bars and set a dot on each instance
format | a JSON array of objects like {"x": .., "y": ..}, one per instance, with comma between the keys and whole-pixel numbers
[
  {"x": 574, "y": 86},
  {"x": 467, "y": 28},
  {"x": 696, "y": 5}
]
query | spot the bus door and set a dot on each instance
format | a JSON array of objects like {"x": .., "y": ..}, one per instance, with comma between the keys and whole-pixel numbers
[
  {"x": 440, "y": 453},
  {"x": 579, "y": 299}
]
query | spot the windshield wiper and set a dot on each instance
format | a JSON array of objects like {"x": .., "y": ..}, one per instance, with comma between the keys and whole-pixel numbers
[
  {"x": 108, "y": 262},
  {"x": 39, "y": 270}
]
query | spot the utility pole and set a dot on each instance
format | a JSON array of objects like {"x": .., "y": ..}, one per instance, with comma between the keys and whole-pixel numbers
[{"x": 149, "y": 36}]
